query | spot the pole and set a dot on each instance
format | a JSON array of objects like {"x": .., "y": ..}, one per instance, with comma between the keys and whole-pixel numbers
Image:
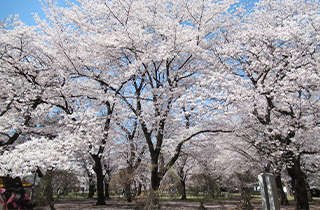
[{"x": 269, "y": 193}]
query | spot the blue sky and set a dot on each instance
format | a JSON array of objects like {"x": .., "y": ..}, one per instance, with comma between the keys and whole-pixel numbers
[{"x": 25, "y": 9}]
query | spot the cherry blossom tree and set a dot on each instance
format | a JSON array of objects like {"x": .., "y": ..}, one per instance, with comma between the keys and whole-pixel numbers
[
  {"x": 183, "y": 168},
  {"x": 152, "y": 55},
  {"x": 275, "y": 50},
  {"x": 87, "y": 135},
  {"x": 133, "y": 150},
  {"x": 30, "y": 99},
  {"x": 37, "y": 98},
  {"x": 26, "y": 158},
  {"x": 22, "y": 80}
]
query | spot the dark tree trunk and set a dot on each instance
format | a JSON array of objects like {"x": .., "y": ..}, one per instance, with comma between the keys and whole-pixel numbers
[
  {"x": 282, "y": 196},
  {"x": 300, "y": 194},
  {"x": 134, "y": 192},
  {"x": 100, "y": 191},
  {"x": 155, "y": 180},
  {"x": 299, "y": 184},
  {"x": 127, "y": 192},
  {"x": 309, "y": 191},
  {"x": 91, "y": 187},
  {"x": 144, "y": 189},
  {"x": 100, "y": 177},
  {"x": 202, "y": 207},
  {"x": 49, "y": 194},
  {"x": 106, "y": 190},
  {"x": 91, "y": 191},
  {"x": 139, "y": 189},
  {"x": 245, "y": 196},
  {"x": 183, "y": 190},
  {"x": 52, "y": 207},
  {"x": 127, "y": 176},
  {"x": 153, "y": 199}
]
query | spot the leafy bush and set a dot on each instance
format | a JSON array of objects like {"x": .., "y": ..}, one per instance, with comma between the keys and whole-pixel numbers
[
  {"x": 57, "y": 181},
  {"x": 204, "y": 187}
]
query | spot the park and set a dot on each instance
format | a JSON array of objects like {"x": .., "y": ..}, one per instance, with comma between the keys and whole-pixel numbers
[{"x": 148, "y": 104}]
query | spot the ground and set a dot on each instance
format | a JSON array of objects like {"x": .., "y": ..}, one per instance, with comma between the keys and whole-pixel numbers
[{"x": 86, "y": 204}]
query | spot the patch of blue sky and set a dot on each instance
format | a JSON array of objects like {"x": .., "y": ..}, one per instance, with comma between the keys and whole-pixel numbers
[
  {"x": 26, "y": 9},
  {"x": 248, "y": 4}
]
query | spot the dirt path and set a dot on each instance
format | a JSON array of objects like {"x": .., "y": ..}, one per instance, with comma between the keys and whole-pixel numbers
[{"x": 87, "y": 204}]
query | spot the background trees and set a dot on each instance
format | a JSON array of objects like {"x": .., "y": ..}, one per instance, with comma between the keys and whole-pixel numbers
[{"x": 58, "y": 181}]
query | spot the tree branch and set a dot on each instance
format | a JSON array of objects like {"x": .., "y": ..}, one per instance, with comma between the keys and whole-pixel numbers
[{"x": 179, "y": 146}]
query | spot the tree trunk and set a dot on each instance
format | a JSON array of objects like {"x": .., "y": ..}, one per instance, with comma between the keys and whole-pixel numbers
[
  {"x": 153, "y": 199},
  {"x": 309, "y": 191},
  {"x": 202, "y": 207},
  {"x": 91, "y": 187},
  {"x": 49, "y": 195},
  {"x": 100, "y": 191},
  {"x": 134, "y": 192},
  {"x": 106, "y": 190},
  {"x": 91, "y": 191},
  {"x": 127, "y": 192},
  {"x": 300, "y": 194},
  {"x": 245, "y": 195},
  {"x": 155, "y": 180},
  {"x": 183, "y": 190},
  {"x": 99, "y": 173},
  {"x": 48, "y": 192},
  {"x": 145, "y": 190},
  {"x": 52, "y": 207},
  {"x": 139, "y": 189},
  {"x": 282, "y": 196},
  {"x": 298, "y": 184}
]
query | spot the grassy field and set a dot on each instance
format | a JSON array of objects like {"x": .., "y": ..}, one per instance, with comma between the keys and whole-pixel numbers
[
  {"x": 168, "y": 197},
  {"x": 73, "y": 202}
]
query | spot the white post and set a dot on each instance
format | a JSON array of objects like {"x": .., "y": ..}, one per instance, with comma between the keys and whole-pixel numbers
[{"x": 269, "y": 192}]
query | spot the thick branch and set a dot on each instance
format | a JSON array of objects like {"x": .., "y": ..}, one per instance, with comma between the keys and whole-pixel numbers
[
  {"x": 179, "y": 146},
  {"x": 7, "y": 108}
]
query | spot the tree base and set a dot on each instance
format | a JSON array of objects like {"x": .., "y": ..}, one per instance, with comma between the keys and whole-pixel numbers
[{"x": 202, "y": 207}]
